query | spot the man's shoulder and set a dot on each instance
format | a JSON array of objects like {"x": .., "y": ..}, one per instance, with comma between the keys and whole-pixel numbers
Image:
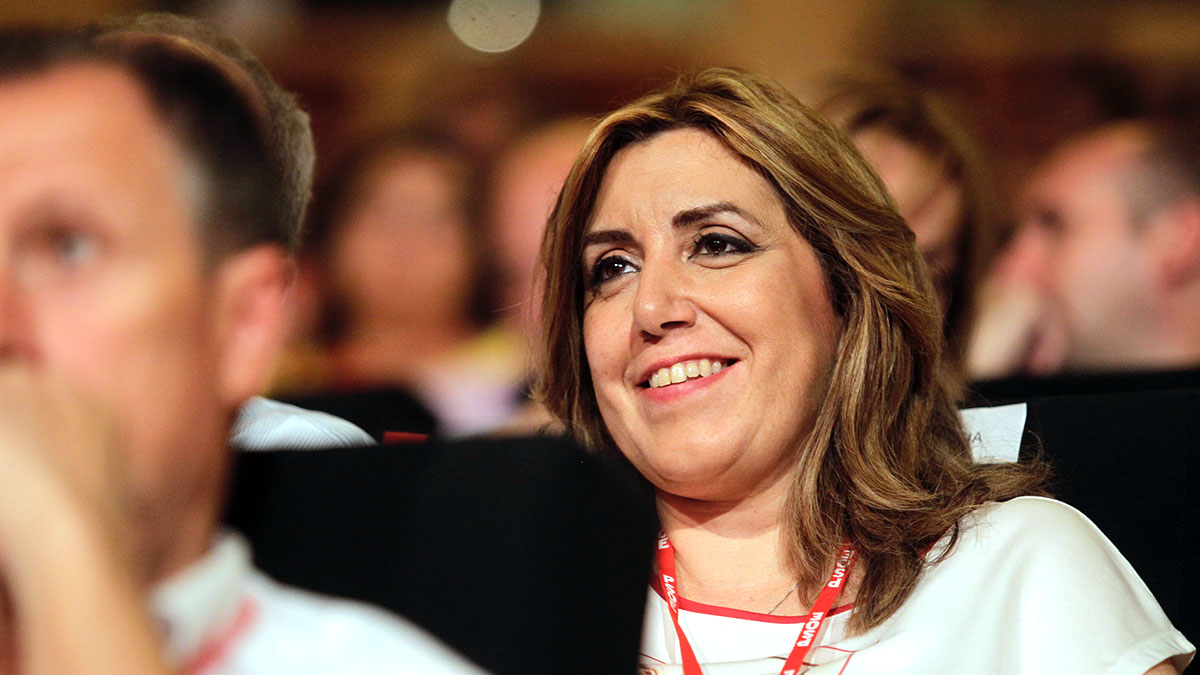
[
  {"x": 267, "y": 424},
  {"x": 297, "y": 631}
]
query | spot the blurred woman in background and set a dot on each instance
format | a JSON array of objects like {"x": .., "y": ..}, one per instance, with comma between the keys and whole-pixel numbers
[
  {"x": 394, "y": 258},
  {"x": 933, "y": 170}
]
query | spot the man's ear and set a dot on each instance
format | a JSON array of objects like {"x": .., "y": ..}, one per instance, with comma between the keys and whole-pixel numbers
[
  {"x": 1178, "y": 243},
  {"x": 252, "y": 286}
]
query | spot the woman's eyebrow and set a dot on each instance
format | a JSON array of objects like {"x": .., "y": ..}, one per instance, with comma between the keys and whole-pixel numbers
[
  {"x": 606, "y": 237},
  {"x": 699, "y": 213},
  {"x": 680, "y": 220}
]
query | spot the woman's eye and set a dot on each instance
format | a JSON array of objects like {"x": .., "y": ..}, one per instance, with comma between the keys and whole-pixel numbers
[
  {"x": 608, "y": 268},
  {"x": 720, "y": 244}
]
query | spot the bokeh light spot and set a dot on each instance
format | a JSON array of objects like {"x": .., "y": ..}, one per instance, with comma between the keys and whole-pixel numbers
[{"x": 493, "y": 25}]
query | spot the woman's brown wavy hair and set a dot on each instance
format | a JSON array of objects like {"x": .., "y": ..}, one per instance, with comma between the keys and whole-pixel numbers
[
  {"x": 887, "y": 466},
  {"x": 857, "y": 103}
]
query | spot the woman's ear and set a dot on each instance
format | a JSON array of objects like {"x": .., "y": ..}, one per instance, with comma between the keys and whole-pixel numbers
[{"x": 252, "y": 288}]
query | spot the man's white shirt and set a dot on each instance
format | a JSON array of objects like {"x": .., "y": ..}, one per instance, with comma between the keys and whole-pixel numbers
[{"x": 221, "y": 615}]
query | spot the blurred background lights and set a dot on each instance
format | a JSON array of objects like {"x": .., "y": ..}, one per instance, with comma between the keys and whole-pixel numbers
[{"x": 493, "y": 25}]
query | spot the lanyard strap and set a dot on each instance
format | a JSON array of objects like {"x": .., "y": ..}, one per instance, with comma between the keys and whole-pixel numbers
[
  {"x": 217, "y": 648},
  {"x": 808, "y": 631}
]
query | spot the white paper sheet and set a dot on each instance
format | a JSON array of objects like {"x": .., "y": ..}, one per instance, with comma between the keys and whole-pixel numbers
[{"x": 995, "y": 432}]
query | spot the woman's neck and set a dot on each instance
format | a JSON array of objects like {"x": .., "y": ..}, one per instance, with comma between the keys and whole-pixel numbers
[{"x": 730, "y": 554}]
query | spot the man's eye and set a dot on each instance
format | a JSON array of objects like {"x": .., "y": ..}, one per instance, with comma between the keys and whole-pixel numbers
[
  {"x": 1050, "y": 222},
  {"x": 608, "y": 268},
  {"x": 720, "y": 244},
  {"x": 72, "y": 247},
  {"x": 62, "y": 249}
]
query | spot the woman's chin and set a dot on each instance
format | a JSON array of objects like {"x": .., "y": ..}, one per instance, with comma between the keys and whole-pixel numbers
[{"x": 697, "y": 484}]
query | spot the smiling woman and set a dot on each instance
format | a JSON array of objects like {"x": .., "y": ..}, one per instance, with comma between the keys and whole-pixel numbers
[
  {"x": 734, "y": 306},
  {"x": 692, "y": 279}
]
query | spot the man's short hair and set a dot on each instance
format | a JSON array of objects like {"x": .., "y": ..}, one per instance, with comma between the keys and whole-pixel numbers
[
  {"x": 215, "y": 127},
  {"x": 1167, "y": 169},
  {"x": 286, "y": 125}
]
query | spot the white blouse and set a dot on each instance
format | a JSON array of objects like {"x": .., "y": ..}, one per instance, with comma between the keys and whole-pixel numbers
[{"x": 1032, "y": 586}]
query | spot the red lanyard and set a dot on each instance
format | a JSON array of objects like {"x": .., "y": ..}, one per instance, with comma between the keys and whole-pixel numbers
[
  {"x": 808, "y": 631},
  {"x": 218, "y": 648}
]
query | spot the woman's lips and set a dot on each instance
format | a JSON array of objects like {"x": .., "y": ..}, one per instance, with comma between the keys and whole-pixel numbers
[
  {"x": 683, "y": 371},
  {"x": 689, "y": 384}
]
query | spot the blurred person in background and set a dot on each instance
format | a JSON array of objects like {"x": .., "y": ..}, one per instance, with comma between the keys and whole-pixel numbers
[
  {"x": 1103, "y": 272},
  {"x": 523, "y": 181},
  {"x": 394, "y": 254},
  {"x": 523, "y": 184},
  {"x": 933, "y": 171},
  {"x": 141, "y": 290}
]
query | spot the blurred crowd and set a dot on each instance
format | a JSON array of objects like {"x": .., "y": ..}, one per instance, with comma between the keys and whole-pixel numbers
[
  {"x": 418, "y": 293},
  {"x": 417, "y": 285}
]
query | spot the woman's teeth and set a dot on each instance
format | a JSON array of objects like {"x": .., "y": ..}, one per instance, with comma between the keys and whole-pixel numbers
[{"x": 684, "y": 371}]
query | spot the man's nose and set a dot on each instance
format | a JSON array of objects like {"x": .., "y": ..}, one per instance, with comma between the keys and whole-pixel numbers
[
  {"x": 14, "y": 320},
  {"x": 1024, "y": 259},
  {"x": 661, "y": 302}
]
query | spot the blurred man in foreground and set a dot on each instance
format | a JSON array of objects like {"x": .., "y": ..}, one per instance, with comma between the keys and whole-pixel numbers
[
  {"x": 262, "y": 423},
  {"x": 1104, "y": 271},
  {"x": 141, "y": 287}
]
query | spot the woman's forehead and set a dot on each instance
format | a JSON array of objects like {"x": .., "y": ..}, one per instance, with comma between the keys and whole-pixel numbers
[{"x": 677, "y": 175}]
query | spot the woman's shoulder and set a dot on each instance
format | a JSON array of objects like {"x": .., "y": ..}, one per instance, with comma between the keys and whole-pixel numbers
[
  {"x": 1033, "y": 520},
  {"x": 1034, "y": 565},
  {"x": 1043, "y": 550},
  {"x": 1029, "y": 509},
  {"x": 1039, "y": 537}
]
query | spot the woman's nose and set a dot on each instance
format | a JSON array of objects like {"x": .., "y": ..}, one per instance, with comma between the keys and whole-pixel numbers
[{"x": 661, "y": 302}]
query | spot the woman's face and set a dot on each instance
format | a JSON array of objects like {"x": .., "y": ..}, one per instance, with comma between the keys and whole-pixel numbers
[
  {"x": 403, "y": 254},
  {"x": 690, "y": 262}
]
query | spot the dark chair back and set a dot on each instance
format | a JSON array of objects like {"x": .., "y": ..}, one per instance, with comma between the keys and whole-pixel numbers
[
  {"x": 1131, "y": 462},
  {"x": 526, "y": 555}
]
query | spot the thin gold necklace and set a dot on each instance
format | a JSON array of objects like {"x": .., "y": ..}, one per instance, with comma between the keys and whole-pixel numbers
[{"x": 785, "y": 597}]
